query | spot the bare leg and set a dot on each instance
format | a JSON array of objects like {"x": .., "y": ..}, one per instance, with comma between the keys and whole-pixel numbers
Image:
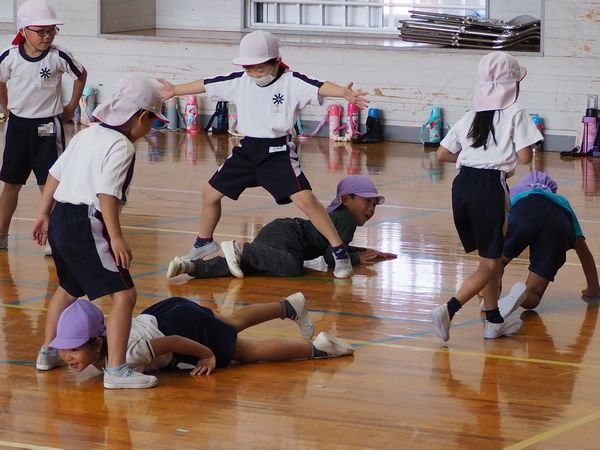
[
  {"x": 488, "y": 270},
  {"x": 211, "y": 211},
  {"x": 119, "y": 325},
  {"x": 491, "y": 291},
  {"x": 536, "y": 286},
  {"x": 314, "y": 210},
  {"x": 59, "y": 302},
  {"x": 252, "y": 315},
  {"x": 253, "y": 350},
  {"x": 8, "y": 204}
]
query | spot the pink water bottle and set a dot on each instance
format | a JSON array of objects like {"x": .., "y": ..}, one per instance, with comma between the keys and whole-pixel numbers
[
  {"x": 353, "y": 119},
  {"x": 334, "y": 113},
  {"x": 191, "y": 115}
]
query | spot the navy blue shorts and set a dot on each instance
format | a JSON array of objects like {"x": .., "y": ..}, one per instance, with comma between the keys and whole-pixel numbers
[
  {"x": 270, "y": 163},
  {"x": 479, "y": 206},
  {"x": 546, "y": 228},
  {"x": 81, "y": 250},
  {"x": 31, "y": 144},
  {"x": 178, "y": 316}
]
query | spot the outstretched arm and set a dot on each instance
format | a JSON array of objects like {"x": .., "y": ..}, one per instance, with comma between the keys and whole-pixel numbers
[
  {"x": 168, "y": 90},
  {"x": 329, "y": 89},
  {"x": 588, "y": 264},
  {"x": 184, "y": 346}
]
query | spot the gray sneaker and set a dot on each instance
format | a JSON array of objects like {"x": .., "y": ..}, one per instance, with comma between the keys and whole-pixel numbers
[
  {"x": 334, "y": 347},
  {"x": 48, "y": 359},
  {"x": 233, "y": 256},
  {"x": 343, "y": 268},
  {"x": 179, "y": 266},
  {"x": 298, "y": 302},
  {"x": 441, "y": 322},
  {"x": 506, "y": 328},
  {"x": 202, "y": 252},
  {"x": 131, "y": 380}
]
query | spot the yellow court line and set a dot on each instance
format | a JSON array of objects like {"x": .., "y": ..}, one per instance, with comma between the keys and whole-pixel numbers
[
  {"x": 479, "y": 354},
  {"x": 4, "y": 305},
  {"x": 26, "y": 446},
  {"x": 554, "y": 432}
]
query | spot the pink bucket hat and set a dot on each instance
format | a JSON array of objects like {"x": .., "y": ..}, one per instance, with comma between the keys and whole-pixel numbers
[
  {"x": 256, "y": 48},
  {"x": 34, "y": 13},
  {"x": 132, "y": 93},
  {"x": 499, "y": 75},
  {"x": 77, "y": 324},
  {"x": 360, "y": 185}
]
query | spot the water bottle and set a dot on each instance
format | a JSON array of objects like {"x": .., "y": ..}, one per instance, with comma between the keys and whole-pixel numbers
[
  {"x": 334, "y": 113},
  {"x": 172, "y": 113},
  {"x": 77, "y": 115},
  {"x": 539, "y": 123},
  {"x": 353, "y": 120},
  {"x": 374, "y": 132},
  {"x": 435, "y": 127},
  {"x": 191, "y": 115}
]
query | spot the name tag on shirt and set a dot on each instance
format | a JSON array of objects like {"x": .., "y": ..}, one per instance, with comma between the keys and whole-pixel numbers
[
  {"x": 46, "y": 129},
  {"x": 283, "y": 148}
]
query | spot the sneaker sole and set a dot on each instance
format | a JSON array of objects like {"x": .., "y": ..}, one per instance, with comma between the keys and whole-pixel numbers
[
  {"x": 514, "y": 327},
  {"x": 129, "y": 386},
  {"x": 518, "y": 291},
  {"x": 311, "y": 329},
  {"x": 228, "y": 248}
]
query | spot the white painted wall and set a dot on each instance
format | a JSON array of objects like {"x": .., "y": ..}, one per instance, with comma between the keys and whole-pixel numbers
[
  {"x": 6, "y": 10},
  {"x": 404, "y": 83},
  {"x": 222, "y": 15}
]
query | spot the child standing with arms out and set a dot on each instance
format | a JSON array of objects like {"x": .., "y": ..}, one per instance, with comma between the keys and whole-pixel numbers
[
  {"x": 282, "y": 246},
  {"x": 177, "y": 330},
  {"x": 268, "y": 98},
  {"x": 486, "y": 144},
  {"x": 30, "y": 92},
  {"x": 90, "y": 183}
]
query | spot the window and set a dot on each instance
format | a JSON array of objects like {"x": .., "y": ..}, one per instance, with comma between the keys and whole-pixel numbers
[{"x": 372, "y": 16}]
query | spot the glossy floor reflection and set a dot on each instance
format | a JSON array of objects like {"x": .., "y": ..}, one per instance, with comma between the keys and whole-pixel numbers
[{"x": 402, "y": 389}]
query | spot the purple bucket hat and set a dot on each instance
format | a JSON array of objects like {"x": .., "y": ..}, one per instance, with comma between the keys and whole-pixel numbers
[
  {"x": 499, "y": 76},
  {"x": 360, "y": 185},
  {"x": 534, "y": 180},
  {"x": 77, "y": 324}
]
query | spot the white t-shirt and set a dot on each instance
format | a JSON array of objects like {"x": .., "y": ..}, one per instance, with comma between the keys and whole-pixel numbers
[
  {"x": 98, "y": 160},
  {"x": 513, "y": 129},
  {"x": 265, "y": 112},
  {"x": 140, "y": 354},
  {"x": 34, "y": 84}
]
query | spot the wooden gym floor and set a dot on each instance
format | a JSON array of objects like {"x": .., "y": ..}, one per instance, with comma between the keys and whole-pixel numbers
[{"x": 403, "y": 389}]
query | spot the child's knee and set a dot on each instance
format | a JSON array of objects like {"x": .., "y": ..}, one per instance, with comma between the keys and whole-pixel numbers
[{"x": 128, "y": 297}]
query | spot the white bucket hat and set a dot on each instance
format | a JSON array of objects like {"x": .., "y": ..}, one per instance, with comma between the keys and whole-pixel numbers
[
  {"x": 132, "y": 93},
  {"x": 256, "y": 48},
  {"x": 34, "y": 13},
  {"x": 499, "y": 75}
]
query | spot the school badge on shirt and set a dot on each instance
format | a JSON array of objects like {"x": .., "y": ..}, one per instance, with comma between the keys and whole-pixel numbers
[{"x": 277, "y": 107}]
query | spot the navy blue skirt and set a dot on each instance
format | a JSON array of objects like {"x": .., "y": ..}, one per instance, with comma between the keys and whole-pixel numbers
[{"x": 182, "y": 317}]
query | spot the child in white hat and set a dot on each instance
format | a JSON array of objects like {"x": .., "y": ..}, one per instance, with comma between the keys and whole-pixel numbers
[
  {"x": 89, "y": 185},
  {"x": 486, "y": 144},
  {"x": 268, "y": 98},
  {"x": 30, "y": 92}
]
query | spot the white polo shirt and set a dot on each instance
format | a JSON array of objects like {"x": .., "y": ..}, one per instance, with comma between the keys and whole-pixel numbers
[
  {"x": 98, "y": 160},
  {"x": 140, "y": 354},
  {"x": 270, "y": 111},
  {"x": 513, "y": 129},
  {"x": 34, "y": 84}
]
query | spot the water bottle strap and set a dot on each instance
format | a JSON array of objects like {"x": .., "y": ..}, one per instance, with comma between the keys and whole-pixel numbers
[
  {"x": 321, "y": 124},
  {"x": 210, "y": 121}
]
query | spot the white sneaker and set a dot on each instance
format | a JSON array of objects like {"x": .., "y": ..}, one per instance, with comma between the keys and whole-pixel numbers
[
  {"x": 3, "y": 242},
  {"x": 48, "y": 359},
  {"x": 47, "y": 250},
  {"x": 202, "y": 252},
  {"x": 511, "y": 302},
  {"x": 132, "y": 380},
  {"x": 441, "y": 322},
  {"x": 332, "y": 346},
  {"x": 298, "y": 302},
  {"x": 506, "y": 328},
  {"x": 233, "y": 256},
  {"x": 179, "y": 266},
  {"x": 343, "y": 268}
]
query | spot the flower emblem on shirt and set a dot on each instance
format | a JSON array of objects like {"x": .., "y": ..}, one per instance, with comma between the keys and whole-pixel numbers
[
  {"x": 45, "y": 73},
  {"x": 278, "y": 99}
]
